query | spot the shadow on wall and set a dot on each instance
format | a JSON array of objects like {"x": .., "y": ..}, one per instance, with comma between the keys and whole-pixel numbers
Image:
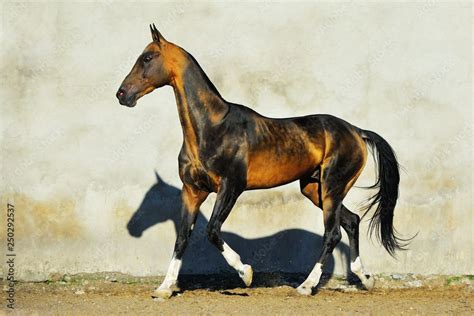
[{"x": 288, "y": 251}]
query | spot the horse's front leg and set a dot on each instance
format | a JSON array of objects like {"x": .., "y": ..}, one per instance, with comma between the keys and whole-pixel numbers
[
  {"x": 191, "y": 201},
  {"x": 228, "y": 193}
]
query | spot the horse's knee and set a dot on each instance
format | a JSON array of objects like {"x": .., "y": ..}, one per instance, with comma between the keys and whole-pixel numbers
[{"x": 180, "y": 245}]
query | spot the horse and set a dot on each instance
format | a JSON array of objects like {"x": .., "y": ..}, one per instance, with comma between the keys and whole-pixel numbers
[{"x": 229, "y": 148}]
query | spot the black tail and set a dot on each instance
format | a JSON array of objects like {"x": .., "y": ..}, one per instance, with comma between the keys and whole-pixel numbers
[{"x": 388, "y": 179}]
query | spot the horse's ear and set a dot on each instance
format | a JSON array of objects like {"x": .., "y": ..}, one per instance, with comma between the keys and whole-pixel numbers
[
  {"x": 155, "y": 34},
  {"x": 158, "y": 178}
]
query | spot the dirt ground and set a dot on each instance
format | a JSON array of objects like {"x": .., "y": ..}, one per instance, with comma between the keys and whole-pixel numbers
[{"x": 218, "y": 295}]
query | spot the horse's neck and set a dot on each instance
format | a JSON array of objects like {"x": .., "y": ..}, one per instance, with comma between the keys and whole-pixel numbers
[{"x": 199, "y": 103}]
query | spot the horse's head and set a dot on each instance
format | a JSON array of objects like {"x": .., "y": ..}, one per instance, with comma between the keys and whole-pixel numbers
[{"x": 153, "y": 69}]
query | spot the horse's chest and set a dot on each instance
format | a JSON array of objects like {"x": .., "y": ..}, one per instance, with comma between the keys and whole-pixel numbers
[{"x": 192, "y": 172}]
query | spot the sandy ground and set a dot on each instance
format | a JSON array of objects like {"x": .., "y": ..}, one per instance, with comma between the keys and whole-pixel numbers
[{"x": 217, "y": 295}]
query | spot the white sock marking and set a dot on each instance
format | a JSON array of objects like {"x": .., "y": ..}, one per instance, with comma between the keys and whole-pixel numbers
[
  {"x": 315, "y": 275},
  {"x": 357, "y": 268},
  {"x": 312, "y": 280},
  {"x": 232, "y": 258},
  {"x": 171, "y": 274}
]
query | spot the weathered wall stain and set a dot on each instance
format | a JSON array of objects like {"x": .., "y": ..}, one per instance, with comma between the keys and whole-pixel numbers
[{"x": 47, "y": 221}]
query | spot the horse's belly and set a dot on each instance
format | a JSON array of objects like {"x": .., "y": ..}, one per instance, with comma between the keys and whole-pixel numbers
[{"x": 269, "y": 170}]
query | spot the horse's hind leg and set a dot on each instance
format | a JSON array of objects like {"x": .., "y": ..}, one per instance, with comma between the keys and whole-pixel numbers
[
  {"x": 332, "y": 236},
  {"x": 226, "y": 198},
  {"x": 336, "y": 177},
  {"x": 350, "y": 223},
  {"x": 192, "y": 200}
]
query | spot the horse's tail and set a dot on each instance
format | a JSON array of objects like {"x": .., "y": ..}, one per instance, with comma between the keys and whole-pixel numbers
[{"x": 388, "y": 179}]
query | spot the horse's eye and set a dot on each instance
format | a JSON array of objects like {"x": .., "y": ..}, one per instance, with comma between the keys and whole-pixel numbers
[{"x": 147, "y": 58}]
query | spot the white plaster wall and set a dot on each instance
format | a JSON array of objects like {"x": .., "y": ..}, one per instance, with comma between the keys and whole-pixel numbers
[{"x": 77, "y": 165}]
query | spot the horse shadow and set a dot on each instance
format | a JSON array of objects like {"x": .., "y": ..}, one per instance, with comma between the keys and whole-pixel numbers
[{"x": 284, "y": 258}]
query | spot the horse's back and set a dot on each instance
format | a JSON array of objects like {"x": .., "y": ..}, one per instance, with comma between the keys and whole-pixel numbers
[{"x": 282, "y": 150}]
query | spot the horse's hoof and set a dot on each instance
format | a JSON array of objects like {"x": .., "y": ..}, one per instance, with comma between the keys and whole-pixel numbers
[
  {"x": 247, "y": 275},
  {"x": 162, "y": 293},
  {"x": 369, "y": 282},
  {"x": 304, "y": 289}
]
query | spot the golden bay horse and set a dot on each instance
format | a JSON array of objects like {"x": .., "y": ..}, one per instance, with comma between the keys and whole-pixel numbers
[{"x": 229, "y": 148}]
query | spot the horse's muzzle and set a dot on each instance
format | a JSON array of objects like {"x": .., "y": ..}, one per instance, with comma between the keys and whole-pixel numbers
[{"x": 126, "y": 99}]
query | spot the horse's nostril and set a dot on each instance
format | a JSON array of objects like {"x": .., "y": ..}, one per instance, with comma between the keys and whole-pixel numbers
[{"x": 120, "y": 93}]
